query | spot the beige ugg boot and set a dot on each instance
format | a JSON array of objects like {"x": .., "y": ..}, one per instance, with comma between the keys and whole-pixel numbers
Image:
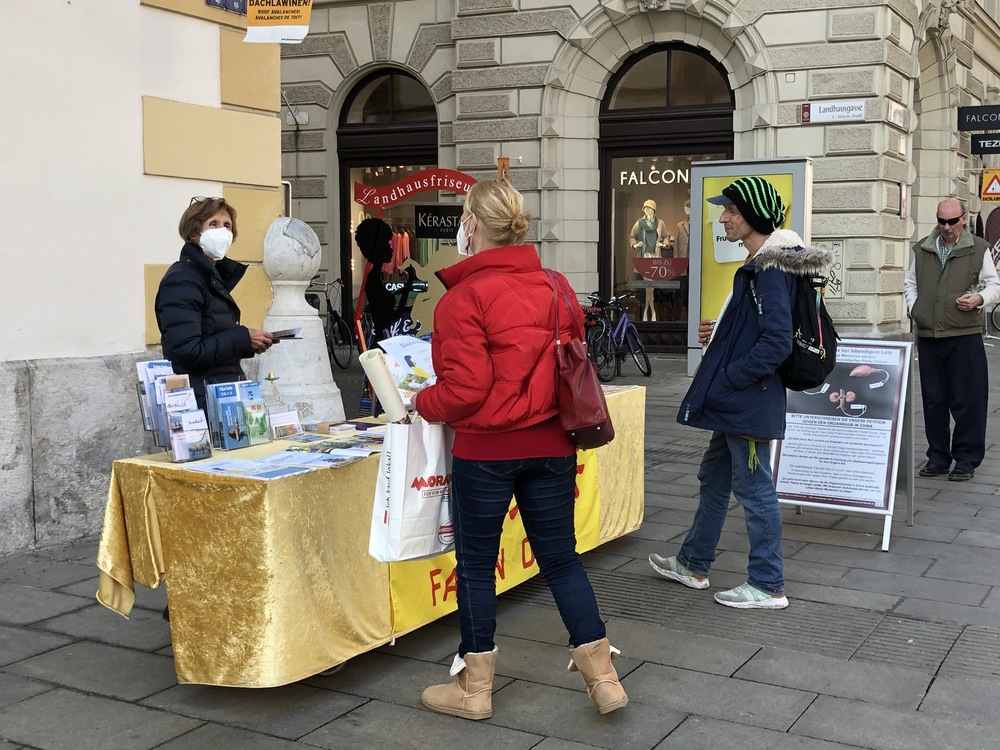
[
  {"x": 470, "y": 694},
  {"x": 593, "y": 661}
]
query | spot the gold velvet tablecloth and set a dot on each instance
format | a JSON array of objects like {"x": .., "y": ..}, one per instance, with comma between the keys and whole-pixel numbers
[{"x": 271, "y": 582}]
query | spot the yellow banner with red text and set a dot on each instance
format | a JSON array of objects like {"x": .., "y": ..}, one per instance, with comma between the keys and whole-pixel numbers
[{"x": 421, "y": 591}]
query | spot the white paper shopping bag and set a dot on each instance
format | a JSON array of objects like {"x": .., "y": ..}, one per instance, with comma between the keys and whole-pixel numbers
[{"x": 411, "y": 513}]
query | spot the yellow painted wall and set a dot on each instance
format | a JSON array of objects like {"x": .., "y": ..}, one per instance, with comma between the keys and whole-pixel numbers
[
  {"x": 250, "y": 73},
  {"x": 254, "y": 296},
  {"x": 255, "y": 210},
  {"x": 206, "y": 143},
  {"x": 152, "y": 275},
  {"x": 240, "y": 149}
]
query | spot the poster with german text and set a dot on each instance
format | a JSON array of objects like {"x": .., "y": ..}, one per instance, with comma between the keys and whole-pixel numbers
[{"x": 842, "y": 439}]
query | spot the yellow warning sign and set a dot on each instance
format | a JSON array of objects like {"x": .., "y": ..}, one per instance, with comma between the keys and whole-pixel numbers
[
  {"x": 991, "y": 185},
  {"x": 277, "y": 21}
]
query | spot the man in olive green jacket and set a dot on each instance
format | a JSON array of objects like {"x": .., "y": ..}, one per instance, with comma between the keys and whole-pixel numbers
[{"x": 952, "y": 276}]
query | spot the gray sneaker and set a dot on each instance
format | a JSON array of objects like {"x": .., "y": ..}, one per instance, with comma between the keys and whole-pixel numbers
[
  {"x": 668, "y": 567},
  {"x": 746, "y": 596}
]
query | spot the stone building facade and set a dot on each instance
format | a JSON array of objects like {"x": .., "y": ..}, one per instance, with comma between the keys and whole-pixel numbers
[{"x": 541, "y": 82}]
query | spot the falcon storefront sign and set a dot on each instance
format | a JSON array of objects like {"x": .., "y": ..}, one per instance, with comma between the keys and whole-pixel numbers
[{"x": 277, "y": 21}]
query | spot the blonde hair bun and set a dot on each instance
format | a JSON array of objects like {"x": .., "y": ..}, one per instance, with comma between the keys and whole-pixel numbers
[
  {"x": 499, "y": 208},
  {"x": 520, "y": 225}
]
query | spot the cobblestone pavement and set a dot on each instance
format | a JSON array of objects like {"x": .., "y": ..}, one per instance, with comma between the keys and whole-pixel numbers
[{"x": 897, "y": 649}]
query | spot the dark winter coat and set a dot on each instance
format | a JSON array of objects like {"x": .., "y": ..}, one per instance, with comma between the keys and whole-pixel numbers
[
  {"x": 199, "y": 320},
  {"x": 494, "y": 343},
  {"x": 737, "y": 389}
]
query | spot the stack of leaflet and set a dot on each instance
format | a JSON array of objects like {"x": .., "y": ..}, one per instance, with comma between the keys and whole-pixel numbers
[
  {"x": 189, "y": 435},
  {"x": 237, "y": 416},
  {"x": 153, "y": 415},
  {"x": 170, "y": 411}
]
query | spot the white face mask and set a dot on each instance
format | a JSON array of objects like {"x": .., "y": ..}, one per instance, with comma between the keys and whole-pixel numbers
[
  {"x": 215, "y": 242},
  {"x": 462, "y": 239}
]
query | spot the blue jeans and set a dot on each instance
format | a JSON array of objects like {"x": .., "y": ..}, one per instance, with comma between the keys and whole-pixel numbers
[
  {"x": 725, "y": 470},
  {"x": 545, "y": 489}
]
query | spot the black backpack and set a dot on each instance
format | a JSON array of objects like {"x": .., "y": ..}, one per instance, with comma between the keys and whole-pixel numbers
[{"x": 814, "y": 339}]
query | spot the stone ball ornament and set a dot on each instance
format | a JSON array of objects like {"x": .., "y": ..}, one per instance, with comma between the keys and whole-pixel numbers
[{"x": 291, "y": 250}]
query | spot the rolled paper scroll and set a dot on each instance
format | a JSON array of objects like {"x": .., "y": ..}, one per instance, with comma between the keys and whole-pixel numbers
[{"x": 375, "y": 367}]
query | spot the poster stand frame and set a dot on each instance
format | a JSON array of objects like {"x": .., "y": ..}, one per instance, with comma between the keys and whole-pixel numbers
[{"x": 900, "y": 474}]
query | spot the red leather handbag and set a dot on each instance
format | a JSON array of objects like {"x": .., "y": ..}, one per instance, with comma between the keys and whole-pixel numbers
[{"x": 583, "y": 410}]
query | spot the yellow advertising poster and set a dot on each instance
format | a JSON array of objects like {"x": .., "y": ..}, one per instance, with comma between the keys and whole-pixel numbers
[
  {"x": 277, "y": 21},
  {"x": 991, "y": 185},
  {"x": 423, "y": 590},
  {"x": 719, "y": 257}
]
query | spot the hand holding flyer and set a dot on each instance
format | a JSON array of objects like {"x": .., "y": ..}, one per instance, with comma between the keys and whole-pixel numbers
[
  {"x": 286, "y": 333},
  {"x": 410, "y": 364},
  {"x": 400, "y": 370}
]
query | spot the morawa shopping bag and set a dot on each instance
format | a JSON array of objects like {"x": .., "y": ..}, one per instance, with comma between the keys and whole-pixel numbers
[{"x": 411, "y": 515}]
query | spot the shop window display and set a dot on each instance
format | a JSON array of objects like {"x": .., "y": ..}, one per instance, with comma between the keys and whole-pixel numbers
[
  {"x": 651, "y": 228},
  {"x": 401, "y": 217},
  {"x": 390, "y": 112},
  {"x": 423, "y": 226}
]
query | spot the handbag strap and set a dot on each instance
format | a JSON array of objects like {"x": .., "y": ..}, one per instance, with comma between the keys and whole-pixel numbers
[{"x": 555, "y": 292}]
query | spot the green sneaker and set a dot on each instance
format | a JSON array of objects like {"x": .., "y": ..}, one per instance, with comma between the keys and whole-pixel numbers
[
  {"x": 668, "y": 567},
  {"x": 746, "y": 596}
]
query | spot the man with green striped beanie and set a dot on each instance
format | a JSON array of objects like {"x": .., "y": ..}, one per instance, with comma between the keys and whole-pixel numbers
[
  {"x": 737, "y": 394},
  {"x": 757, "y": 201}
]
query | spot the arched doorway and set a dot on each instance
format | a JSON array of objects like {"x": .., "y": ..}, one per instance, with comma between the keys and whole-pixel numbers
[
  {"x": 666, "y": 107},
  {"x": 388, "y": 128}
]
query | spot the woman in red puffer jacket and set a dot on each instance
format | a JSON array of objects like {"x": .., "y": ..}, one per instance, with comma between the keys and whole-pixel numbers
[{"x": 493, "y": 350}]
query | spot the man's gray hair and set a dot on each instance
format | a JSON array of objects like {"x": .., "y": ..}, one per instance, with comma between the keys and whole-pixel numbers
[{"x": 962, "y": 203}]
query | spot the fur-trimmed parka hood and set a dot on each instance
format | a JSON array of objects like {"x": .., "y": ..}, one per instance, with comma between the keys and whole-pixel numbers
[{"x": 785, "y": 251}]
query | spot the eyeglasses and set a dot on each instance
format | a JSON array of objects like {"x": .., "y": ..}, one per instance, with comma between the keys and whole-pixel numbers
[
  {"x": 950, "y": 222},
  {"x": 200, "y": 198}
]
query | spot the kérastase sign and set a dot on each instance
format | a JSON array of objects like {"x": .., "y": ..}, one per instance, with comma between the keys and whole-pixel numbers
[{"x": 437, "y": 221}]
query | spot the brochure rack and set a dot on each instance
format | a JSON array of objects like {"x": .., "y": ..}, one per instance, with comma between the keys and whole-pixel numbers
[
  {"x": 170, "y": 413},
  {"x": 146, "y": 414},
  {"x": 237, "y": 416}
]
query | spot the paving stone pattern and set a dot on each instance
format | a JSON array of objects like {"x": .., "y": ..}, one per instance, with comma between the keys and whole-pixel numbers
[{"x": 878, "y": 650}]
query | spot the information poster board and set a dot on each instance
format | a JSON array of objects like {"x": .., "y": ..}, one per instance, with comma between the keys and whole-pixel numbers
[{"x": 843, "y": 439}]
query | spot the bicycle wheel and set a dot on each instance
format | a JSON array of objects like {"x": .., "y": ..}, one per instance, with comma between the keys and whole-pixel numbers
[
  {"x": 995, "y": 317},
  {"x": 602, "y": 350},
  {"x": 340, "y": 341},
  {"x": 638, "y": 351},
  {"x": 594, "y": 332},
  {"x": 366, "y": 330}
]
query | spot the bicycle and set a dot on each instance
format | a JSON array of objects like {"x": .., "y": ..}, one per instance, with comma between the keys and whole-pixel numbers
[
  {"x": 339, "y": 341},
  {"x": 612, "y": 336}
]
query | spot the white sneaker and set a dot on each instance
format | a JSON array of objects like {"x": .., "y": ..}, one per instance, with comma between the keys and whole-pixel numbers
[
  {"x": 669, "y": 567},
  {"x": 746, "y": 596}
]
